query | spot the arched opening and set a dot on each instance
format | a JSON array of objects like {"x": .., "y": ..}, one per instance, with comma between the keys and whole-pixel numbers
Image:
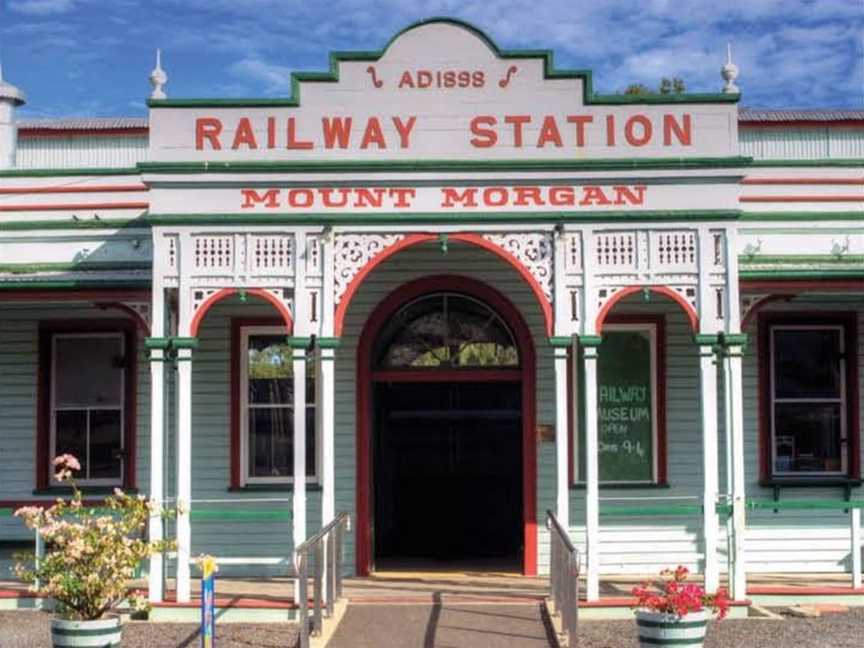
[
  {"x": 664, "y": 291},
  {"x": 224, "y": 293},
  {"x": 446, "y": 454}
]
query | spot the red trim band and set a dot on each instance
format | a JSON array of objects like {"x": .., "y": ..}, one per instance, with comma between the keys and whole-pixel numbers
[
  {"x": 72, "y": 190},
  {"x": 802, "y": 181},
  {"x": 74, "y": 206},
  {"x": 797, "y": 199}
]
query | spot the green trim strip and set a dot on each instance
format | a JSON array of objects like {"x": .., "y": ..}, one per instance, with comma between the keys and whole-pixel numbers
[
  {"x": 706, "y": 339},
  {"x": 184, "y": 342},
  {"x": 650, "y": 511},
  {"x": 386, "y": 166},
  {"x": 561, "y": 341},
  {"x": 328, "y": 342},
  {"x": 804, "y": 505},
  {"x": 801, "y": 216},
  {"x": 549, "y": 72},
  {"x": 752, "y": 275},
  {"x": 590, "y": 340},
  {"x": 298, "y": 343},
  {"x": 225, "y": 514},
  {"x": 814, "y": 162},
  {"x": 645, "y": 623},
  {"x": 383, "y": 218},
  {"x": 77, "y": 284},
  {"x": 668, "y": 641},
  {"x": 28, "y": 268},
  {"x": 157, "y": 343},
  {"x": 79, "y": 171},
  {"x": 89, "y": 224}
]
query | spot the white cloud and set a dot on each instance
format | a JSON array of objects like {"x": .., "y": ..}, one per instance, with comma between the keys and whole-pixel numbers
[{"x": 276, "y": 79}]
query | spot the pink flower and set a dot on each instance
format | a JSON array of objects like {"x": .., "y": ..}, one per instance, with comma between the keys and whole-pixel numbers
[{"x": 67, "y": 461}]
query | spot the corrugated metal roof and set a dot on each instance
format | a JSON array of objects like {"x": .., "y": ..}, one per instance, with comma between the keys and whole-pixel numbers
[
  {"x": 83, "y": 123},
  {"x": 758, "y": 115},
  {"x": 747, "y": 115}
]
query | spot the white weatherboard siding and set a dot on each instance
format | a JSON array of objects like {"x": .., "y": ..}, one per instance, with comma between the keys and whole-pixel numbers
[{"x": 405, "y": 266}]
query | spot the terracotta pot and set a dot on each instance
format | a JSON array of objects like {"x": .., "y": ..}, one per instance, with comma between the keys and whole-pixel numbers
[
  {"x": 102, "y": 633},
  {"x": 658, "y": 629}
]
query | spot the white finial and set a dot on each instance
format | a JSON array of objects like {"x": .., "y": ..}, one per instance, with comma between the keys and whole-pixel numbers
[
  {"x": 729, "y": 72},
  {"x": 158, "y": 78}
]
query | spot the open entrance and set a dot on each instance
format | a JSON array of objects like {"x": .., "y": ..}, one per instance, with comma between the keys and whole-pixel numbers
[{"x": 450, "y": 434}]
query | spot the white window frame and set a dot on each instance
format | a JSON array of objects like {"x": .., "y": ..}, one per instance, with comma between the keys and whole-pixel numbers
[
  {"x": 639, "y": 327},
  {"x": 243, "y": 359},
  {"x": 118, "y": 481},
  {"x": 844, "y": 431}
]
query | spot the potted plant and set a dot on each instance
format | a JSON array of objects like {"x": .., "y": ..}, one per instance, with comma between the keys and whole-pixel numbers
[
  {"x": 91, "y": 554},
  {"x": 671, "y": 612}
]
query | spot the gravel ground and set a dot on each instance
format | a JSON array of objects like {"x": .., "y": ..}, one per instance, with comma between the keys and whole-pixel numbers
[
  {"x": 32, "y": 630},
  {"x": 830, "y": 631}
]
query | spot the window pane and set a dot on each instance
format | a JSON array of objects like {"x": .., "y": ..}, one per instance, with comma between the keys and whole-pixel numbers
[
  {"x": 88, "y": 371},
  {"x": 806, "y": 363},
  {"x": 807, "y": 437},
  {"x": 106, "y": 432},
  {"x": 270, "y": 370},
  {"x": 71, "y": 426},
  {"x": 446, "y": 330},
  {"x": 271, "y": 442}
]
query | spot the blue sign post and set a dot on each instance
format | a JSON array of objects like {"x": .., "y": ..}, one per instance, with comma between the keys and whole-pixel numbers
[{"x": 208, "y": 602}]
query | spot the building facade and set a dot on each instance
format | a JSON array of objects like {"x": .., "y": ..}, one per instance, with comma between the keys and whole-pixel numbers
[{"x": 446, "y": 288}]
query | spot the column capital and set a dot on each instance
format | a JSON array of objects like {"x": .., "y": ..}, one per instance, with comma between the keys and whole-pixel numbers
[
  {"x": 328, "y": 342},
  {"x": 299, "y": 343},
  {"x": 561, "y": 341},
  {"x": 733, "y": 339},
  {"x": 706, "y": 339},
  {"x": 590, "y": 340}
]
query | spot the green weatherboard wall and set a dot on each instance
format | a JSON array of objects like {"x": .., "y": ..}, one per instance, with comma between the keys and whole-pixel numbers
[{"x": 624, "y": 407}]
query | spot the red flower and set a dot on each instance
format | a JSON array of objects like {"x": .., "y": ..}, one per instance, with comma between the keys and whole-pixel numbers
[{"x": 670, "y": 595}]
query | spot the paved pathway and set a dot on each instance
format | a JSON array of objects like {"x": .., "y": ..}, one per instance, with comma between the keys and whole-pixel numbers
[{"x": 443, "y": 624}]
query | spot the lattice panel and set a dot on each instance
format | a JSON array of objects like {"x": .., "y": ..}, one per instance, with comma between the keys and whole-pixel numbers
[
  {"x": 615, "y": 250},
  {"x": 271, "y": 254},
  {"x": 314, "y": 267},
  {"x": 351, "y": 252},
  {"x": 674, "y": 249},
  {"x": 212, "y": 252},
  {"x": 532, "y": 250},
  {"x": 171, "y": 254}
]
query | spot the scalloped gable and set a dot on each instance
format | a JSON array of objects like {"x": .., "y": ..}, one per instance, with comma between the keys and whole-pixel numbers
[{"x": 442, "y": 90}]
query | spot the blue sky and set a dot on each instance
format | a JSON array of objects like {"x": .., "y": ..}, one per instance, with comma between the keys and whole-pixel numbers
[{"x": 92, "y": 57}]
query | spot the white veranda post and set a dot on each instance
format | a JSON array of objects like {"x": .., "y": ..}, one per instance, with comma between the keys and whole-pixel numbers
[
  {"x": 708, "y": 391},
  {"x": 158, "y": 357},
  {"x": 733, "y": 351},
  {"x": 592, "y": 471},
  {"x": 184, "y": 472},
  {"x": 562, "y": 436},
  {"x": 326, "y": 404},
  {"x": 299, "y": 504}
]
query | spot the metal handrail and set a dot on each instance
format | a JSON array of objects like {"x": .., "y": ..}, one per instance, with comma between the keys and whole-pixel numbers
[
  {"x": 563, "y": 577},
  {"x": 327, "y": 550}
]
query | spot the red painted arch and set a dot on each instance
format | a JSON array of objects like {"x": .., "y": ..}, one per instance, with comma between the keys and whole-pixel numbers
[
  {"x": 415, "y": 239},
  {"x": 511, "y": 315},
  {"x": 219, "y": 295},
  {"x": 689, "y": 311}
]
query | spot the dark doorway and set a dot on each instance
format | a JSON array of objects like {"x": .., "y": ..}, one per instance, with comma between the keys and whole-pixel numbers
[
  {"x": 448, "y": 460},
  {"x": 447, "y": 443}
]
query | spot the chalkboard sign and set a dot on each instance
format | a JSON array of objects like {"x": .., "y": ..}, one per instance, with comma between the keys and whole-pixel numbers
[{"x": 626, "y": 415}]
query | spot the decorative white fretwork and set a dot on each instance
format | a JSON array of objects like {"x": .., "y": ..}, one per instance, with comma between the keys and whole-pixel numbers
[
  {"x": 573, "y": 253},
  {"x": 351, "y": 252},
  {"x": 271, "y": 254},
  {"x": 533, "y": 250},
  {"x": 675, "y": 249},
  {"x": 613, "y": 250},
  {"x": 212, "y": 252}
]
